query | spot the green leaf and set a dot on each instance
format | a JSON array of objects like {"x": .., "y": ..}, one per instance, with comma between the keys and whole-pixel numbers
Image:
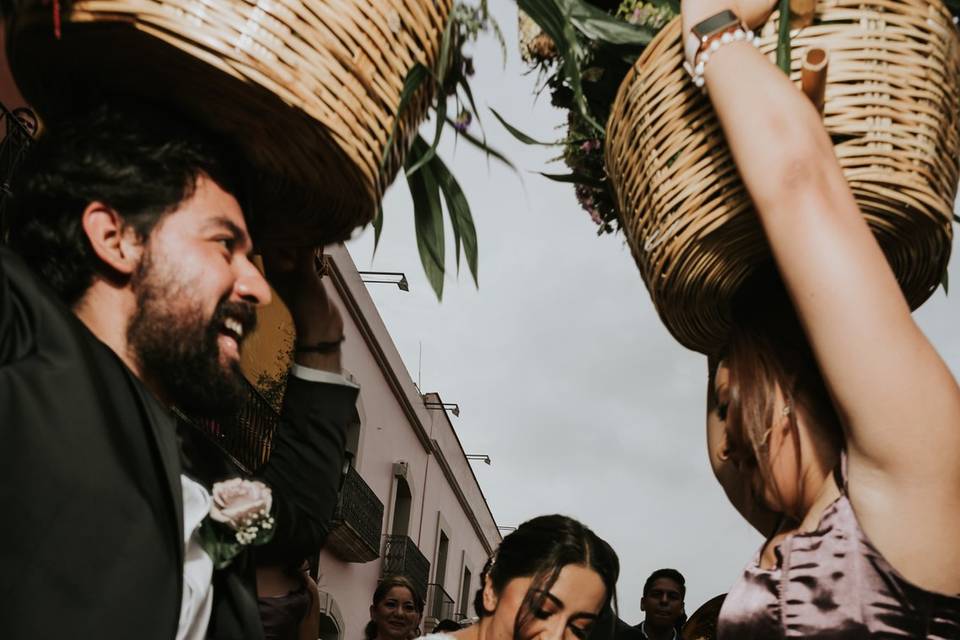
[
  {"x": 549, "y": 16},
  {"x": 783, "y": 38},
  {"x": 473, "y": 105},
  {"x": 428, "y": 219},
  {"x": 554, "y": 17},
  {"x": 597, "y": 24},
  {"x": 520, "y": 135},
  {"x": 415, "y": 77},
  {"x": 441, "y": 114},
  {"x": 490, "y": 151},
  {"x": 443, "y": 61},
  {"x": 377, "y": 226},
  {"x": 573, "y": 178},
  {"x": 461, "y": 218},
  {"x": 498, "y": 34}
]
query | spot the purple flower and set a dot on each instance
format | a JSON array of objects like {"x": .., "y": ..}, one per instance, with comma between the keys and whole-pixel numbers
[
  {"x": 589, "y": 146},
  {"x": 463, "y": 121}
]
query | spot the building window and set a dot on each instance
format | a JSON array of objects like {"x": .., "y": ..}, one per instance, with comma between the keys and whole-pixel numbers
[
  {"x": 441, "y": 565},
  {"x": 401, "y": 508},
  {"x": 465, "y": 595}
]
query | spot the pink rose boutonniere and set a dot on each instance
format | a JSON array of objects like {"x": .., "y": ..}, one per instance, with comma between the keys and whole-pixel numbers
[{"x": 239, "y": 517}]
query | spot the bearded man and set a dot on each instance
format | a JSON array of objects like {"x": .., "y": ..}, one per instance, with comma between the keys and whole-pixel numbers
[{"x": 129, "y": 290}]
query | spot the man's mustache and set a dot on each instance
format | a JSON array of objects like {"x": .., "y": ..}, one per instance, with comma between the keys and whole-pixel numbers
[{"x": 243, "y": 312}]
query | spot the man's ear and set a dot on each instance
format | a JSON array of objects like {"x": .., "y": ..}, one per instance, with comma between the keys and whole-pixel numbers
[
  {"x": 642, "y": 607},
  {"x": 490, "y": 597},
  {"x": 114, "y": 242}
]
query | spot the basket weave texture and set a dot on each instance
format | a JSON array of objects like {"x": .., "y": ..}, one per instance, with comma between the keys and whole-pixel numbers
[
  {"x": 892, "y": 107},
  {"x": 309, "y": 89}
]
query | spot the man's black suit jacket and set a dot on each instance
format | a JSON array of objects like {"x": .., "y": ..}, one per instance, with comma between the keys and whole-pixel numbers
[{"x": 90, "y": 498}]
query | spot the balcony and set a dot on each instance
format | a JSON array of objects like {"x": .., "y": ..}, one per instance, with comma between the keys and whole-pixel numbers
[
  {"x": 355, "y": 532},
  {"x": 247, "y": 436},
  {"x": 439, "y": 603},
  {"x": 402, "y": 557}
]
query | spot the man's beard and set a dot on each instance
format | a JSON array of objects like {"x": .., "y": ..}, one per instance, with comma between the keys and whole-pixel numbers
[{"x": 178, "y": 350}]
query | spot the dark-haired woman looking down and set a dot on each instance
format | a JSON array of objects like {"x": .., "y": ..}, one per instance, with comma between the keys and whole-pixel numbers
[{"x": 550, "y": 579}]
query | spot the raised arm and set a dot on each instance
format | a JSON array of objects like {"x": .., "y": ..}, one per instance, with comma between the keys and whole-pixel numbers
[
  {"x": 306, "y": 461},
  {"x": 899, "y": 403}
]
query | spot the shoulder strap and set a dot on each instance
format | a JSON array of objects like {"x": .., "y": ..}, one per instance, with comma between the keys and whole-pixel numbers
[{"x": 840, "y": 472}]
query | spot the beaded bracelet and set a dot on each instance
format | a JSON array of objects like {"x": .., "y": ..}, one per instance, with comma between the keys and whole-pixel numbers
[{"x": 702, "y": 56}]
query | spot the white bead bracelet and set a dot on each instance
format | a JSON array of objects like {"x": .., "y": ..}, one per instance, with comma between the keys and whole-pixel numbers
[{"x": 703, "y": 56}]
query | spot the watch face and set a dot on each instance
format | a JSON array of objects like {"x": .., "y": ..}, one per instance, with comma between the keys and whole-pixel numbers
[{"x": 715, "y": 23}]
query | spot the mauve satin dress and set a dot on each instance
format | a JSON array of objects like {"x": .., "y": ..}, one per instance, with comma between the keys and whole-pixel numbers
[{"x": 832, "y": 583}]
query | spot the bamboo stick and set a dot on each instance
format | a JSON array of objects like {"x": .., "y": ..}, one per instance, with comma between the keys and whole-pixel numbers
[{"x": 813, "y": 75}]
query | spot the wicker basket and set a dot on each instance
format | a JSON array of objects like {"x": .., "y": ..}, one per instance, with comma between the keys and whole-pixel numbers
[
  {"x": 892, "y": 105},
  {"x": 308, "y": 88}
]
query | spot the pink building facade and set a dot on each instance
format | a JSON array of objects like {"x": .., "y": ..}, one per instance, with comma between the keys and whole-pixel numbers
[{"x": 410, "y": 503}]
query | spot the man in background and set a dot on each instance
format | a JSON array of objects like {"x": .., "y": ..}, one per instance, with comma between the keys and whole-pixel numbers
[{"x": 662, "y": 602}]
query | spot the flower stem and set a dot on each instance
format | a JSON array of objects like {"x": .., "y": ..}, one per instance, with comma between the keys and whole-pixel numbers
[{"x": 783, "y": 37}]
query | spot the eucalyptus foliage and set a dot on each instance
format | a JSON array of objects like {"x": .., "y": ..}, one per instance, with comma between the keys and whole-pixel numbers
[{"x": 432, "y": 185}]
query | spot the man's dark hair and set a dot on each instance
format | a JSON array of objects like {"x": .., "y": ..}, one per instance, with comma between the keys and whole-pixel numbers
[
  {"x": 446, "y": 625},
  {"x": 140, "y": 161},
  {"x": 672, "y": 574}
]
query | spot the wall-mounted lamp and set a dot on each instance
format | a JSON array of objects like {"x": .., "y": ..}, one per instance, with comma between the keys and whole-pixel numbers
[
  {"x": 478, "y": 456},
  {"x": 386, "y": 277},
  {"x": 452, "y": 406}
]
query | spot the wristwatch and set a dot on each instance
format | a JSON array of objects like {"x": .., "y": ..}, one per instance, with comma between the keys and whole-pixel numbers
[
  {"x": 709, "y": 35},
  {"x": 703, "y": 32}
]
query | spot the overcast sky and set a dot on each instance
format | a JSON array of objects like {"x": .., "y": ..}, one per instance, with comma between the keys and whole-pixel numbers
[{"x": 564, "y": 374}]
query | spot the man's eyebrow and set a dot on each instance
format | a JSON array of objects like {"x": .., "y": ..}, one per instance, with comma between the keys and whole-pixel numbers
[{"x": 235, "y": 230}]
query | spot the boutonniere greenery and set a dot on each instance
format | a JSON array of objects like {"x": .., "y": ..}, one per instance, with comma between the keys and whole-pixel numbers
[{"x": 239, "y": 517}]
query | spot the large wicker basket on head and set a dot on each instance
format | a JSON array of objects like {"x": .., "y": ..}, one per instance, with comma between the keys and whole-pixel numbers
[
  {"x": 892, "y": 107},
  {"x": 309, "y": 89}
]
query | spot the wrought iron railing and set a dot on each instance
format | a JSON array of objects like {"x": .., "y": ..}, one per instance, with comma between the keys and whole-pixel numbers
[
  {"x": 439, "y": 603},
  {"x": 355, "y": 532},
  {"x": 19, "y": 125},
  {"x": 246, "y": 436},
  {"x": 402, "y": 557}
]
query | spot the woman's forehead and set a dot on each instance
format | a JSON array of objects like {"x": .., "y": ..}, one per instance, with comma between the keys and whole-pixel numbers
[{"x": 399, "y": 593}]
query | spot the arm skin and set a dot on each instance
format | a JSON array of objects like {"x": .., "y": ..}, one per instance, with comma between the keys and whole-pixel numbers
[{"x": 898, "y": 402}]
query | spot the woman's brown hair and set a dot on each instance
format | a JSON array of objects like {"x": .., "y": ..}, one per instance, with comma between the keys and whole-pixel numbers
[
  {"x": 383, "y": 588},
  {"x": 769, "y": 352}
]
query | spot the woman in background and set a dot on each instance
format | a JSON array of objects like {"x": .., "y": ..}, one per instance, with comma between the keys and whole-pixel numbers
[
  {"x": 288, "y": 601},
  {"x": 395, "y": 612}
]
